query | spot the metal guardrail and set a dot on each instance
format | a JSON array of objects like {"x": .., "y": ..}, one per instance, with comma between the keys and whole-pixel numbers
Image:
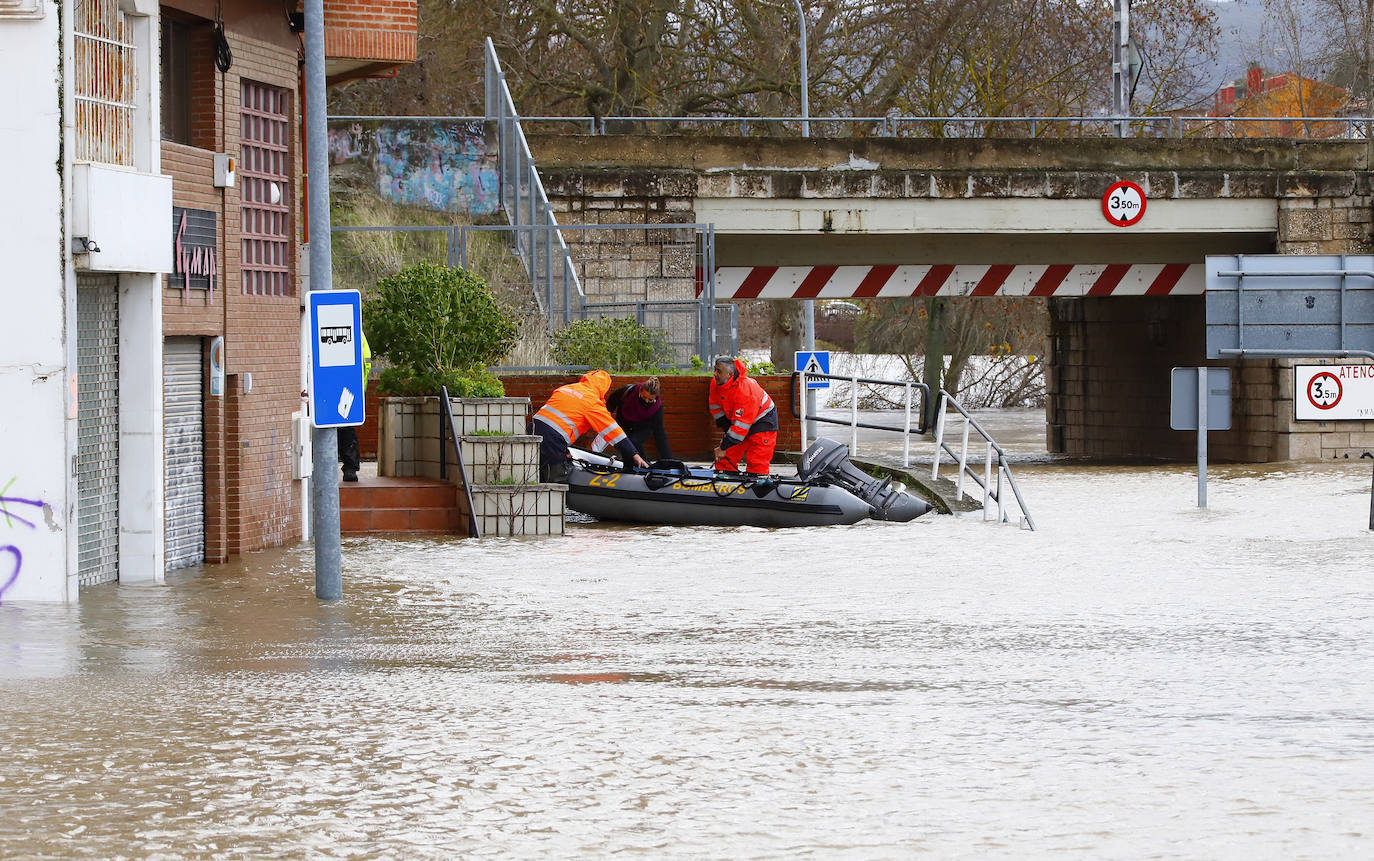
[
  {"x": 985, "y": 482},
  {"x": 527, "y": 208},
  {"x": 522, "y": 192},
  {"x": 1353, "y": 128},
  {"x": 907, "y": 429}
]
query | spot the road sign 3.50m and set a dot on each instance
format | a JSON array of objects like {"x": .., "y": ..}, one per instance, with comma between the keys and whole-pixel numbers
[{"x": 1328, "y": 393}]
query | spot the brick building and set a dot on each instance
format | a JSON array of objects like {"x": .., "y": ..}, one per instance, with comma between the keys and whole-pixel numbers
[
  {"x": 1285, "y": 96},
  {"x": 154, "y": 240}
]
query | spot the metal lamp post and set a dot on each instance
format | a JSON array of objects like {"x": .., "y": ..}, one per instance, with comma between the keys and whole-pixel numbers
[{"x": 808, "y": 305}]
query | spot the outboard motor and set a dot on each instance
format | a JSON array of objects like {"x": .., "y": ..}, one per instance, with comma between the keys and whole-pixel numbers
[{"x": 827, "y": 460}]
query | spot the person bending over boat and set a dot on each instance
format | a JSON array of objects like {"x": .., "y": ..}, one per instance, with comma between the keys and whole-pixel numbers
[
  {"x": 746, "y": 413},
  {"x": 638, "y": 409},
  {"x": 571, "y": 411}
]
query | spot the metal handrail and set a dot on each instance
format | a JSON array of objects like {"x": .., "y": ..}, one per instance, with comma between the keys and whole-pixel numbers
[
  {"x": 452, "y": 426},
  {"x": 1003, "y": 466},
  {"x": 891, "y": 125},
  {"x": 500, "y": 106},
  {"x": 985, "y": 482},
  {"x": 907, "y": 429}
]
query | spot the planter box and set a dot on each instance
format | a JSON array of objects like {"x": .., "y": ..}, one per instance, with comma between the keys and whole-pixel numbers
[
  {"x": 490, "y": 415},
  {"x": 505, "y": 460},
  {"x": 536, "y": 509},
  {"x": 408, "y": 429}
]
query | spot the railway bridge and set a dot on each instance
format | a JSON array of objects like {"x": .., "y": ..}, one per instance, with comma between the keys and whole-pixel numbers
[{"x": 898, "y": 217}]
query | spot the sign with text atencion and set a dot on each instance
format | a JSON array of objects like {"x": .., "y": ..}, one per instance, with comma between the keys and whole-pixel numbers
[{"x": 1333, "y": 393}]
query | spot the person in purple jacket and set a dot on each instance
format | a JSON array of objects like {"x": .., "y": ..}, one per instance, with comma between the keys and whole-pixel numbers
[{"x": 638, "y": 409}]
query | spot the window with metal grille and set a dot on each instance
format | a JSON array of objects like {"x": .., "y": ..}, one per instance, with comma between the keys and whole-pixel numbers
[
  {"x": 266, "y": 189},
  {"x": 104, "y": 84}
]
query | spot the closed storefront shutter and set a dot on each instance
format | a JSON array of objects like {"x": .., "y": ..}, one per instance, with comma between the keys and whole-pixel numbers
[
  {"x": 184, "y": 452},
  {"x": 97, "y": 460}
]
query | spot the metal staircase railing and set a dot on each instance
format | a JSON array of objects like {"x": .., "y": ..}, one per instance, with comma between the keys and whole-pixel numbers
[
  {"x": 916, "y": 406},
  {"x": 540, "y": 243},
  {"x": 985, "y": 481}
]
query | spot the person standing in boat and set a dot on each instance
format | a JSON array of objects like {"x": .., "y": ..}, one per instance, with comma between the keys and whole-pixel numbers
[
  {"x": 638, "y": 409},
  {"x": 571, "y": 411},
  {"x": 746, "y": 413}
]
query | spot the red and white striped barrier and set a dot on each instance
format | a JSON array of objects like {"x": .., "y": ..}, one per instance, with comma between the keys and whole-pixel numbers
[{"x": 847, "y": 282}]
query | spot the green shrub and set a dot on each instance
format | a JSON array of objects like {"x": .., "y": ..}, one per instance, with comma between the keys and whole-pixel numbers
[
  {"x": 476, "y": 383},
  {"x": 759, "y": 368},
  {"x": 438, "y": 326},
  {"x": 612, "y": 344}
]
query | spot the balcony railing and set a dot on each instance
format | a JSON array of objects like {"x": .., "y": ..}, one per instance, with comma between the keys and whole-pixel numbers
[{"x": 103, "y": 84}]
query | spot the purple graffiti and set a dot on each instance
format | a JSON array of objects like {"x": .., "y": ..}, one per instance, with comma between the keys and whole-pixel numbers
[
  {"x": 10, "y": 519},
  {"x": 18, "y": 563},
  {"x": 5, "y": 501}
]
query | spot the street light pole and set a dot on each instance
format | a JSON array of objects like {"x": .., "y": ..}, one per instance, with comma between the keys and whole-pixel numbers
[
  {"x": 805, "y": 79},
  {"x": 324, "y": 482},
  {"x": 808, "y": 305},
  {"x": 1121, "y": 72}
]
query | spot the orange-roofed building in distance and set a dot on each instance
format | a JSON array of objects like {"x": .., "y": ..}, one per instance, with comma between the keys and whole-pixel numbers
[{"x": 1286, "y": 96}]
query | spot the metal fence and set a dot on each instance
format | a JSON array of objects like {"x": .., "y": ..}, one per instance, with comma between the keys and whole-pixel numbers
[
  {"x": 1168, "y": 126},
  {"x": 659, "y": 272}
]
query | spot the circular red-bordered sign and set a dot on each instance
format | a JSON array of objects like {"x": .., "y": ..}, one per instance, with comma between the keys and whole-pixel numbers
[
  {"x": 1324, "y": 390},
  {"x": 1123, "y": 203}
]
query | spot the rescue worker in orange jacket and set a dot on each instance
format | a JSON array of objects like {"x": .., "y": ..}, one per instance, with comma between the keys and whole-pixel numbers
[
  {"x": 571, "y": 411},
  {"x": 748, "y": 416}
]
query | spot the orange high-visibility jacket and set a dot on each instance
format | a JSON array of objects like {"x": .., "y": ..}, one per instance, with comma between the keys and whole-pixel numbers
[
  {"x": 740, "y": 407},
  {"x": 574, "y": 409}
]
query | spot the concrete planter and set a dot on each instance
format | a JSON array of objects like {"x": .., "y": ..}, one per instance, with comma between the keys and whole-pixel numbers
[
  {"x": 536, "y": 509},
  {"x": 502, "y": 461},
  {"x": 409, "y": 427},
  {"x": 499, "y": 459}
]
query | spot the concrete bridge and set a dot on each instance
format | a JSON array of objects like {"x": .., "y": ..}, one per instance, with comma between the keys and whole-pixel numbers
[{"x": 891, "y": 217}]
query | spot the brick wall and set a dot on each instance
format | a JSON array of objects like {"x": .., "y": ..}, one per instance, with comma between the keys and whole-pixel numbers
[
  {"x": 691, "y": 432},
  {"x": 251, "y": 500},
  {"x": 367, "y": 431},
  {"x": 1107, "y": 387},
  {"x": 370, "y": 30}
]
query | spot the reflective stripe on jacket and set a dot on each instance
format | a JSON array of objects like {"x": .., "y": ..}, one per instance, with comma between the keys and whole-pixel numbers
[
  {"x": 579, "y": 407},
  {"x": 744, "y": 403}
]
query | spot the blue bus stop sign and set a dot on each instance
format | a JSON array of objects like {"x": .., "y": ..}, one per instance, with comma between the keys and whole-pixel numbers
[{"x": 336, "y": 358}]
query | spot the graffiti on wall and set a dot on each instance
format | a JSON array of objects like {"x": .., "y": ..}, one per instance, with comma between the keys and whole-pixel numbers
[
  {"x": 11, "y": 557},
  {"x": 441, "y": 165}
]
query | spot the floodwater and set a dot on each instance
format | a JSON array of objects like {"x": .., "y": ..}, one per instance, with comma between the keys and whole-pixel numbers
[{"x": 1137, "y": 678}]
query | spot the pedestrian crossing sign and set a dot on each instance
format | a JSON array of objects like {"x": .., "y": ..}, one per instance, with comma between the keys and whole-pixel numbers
[{"x": 814, "y": 362}]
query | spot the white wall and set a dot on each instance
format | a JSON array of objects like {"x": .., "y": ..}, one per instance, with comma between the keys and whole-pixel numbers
[{"x": 36, "y": 433}]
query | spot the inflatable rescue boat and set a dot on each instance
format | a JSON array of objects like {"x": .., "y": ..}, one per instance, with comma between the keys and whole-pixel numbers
[{"x": 827, "y": 490}]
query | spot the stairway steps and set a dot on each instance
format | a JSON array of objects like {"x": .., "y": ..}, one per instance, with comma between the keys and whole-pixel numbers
[{"x": 410, "y": 506}]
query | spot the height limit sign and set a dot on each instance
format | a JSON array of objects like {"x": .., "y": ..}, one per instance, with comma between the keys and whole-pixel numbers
[
  {"x": 1123, "y": 203},
  {"x": 1332, "y": 393}
]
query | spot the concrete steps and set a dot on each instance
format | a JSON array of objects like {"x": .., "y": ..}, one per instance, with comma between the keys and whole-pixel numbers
[{"x": 411, "y": 506}]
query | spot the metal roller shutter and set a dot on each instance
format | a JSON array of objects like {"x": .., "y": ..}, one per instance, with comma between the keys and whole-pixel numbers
[
  {"x": 97, "y": 459},
  {"x": 184, "y": 457}
]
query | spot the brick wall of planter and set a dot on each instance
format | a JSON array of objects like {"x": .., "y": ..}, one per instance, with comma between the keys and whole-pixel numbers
[{"x": 691, "y": 432}]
